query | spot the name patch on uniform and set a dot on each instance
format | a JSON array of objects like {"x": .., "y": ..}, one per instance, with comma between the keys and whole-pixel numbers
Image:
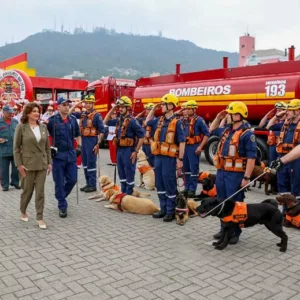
[{"x": 252, "y": 138}]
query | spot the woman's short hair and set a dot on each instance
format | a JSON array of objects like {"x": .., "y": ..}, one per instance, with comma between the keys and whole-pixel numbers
[{"x": 28, "y": 108}]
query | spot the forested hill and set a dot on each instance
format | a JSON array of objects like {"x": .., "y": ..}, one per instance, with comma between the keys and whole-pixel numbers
[{"x": 105, "y": 52}]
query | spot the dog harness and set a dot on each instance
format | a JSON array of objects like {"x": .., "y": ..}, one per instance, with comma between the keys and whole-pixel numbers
[
  {"x": 115, "y": 188},
  {"x": 239, "y": 214},
  {"x": 294, "y": 220},
  {"x": 184, "y": 210},
  {"x": 211, "y": 193},
  {"x": 118, "y": 200},
  {"x": 144, "y": 169}
]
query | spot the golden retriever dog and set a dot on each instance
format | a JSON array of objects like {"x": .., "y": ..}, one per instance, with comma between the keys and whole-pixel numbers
[
  {"x": 130, "y": 204},
  {"x": 106, "y": 185},
  {"x": 147, "y": 176}
]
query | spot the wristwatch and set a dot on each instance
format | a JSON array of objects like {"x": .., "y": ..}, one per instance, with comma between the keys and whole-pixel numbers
[
  {"x": 181, "y": 159},
  {"x": 135, "y": 150},
  {"x": 246, "y": 178}
]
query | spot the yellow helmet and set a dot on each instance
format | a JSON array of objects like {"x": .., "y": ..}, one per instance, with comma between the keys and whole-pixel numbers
[
  {"x": 191, "y": 104},
  {"x": 170, "y": 98},
  {"x": 183, "y": 105},
  {"x": 294, "y": 104},
  {"x": 280, "y": 105},
  {"x": 149, "y": 106},
  {"x": 237, "y": 107},
  {"x": 124, "y": 101},
  {"x": 89, "y": 98}
]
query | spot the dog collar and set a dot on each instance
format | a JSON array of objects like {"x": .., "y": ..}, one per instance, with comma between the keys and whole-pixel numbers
[{"x": 182, "y": 210}]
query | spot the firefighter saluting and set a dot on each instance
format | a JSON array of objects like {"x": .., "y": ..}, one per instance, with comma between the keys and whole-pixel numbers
[
  {"x": 289, "y": 175},
  {"x": 235, "y": 157},
  {"x": 92, "y": 131},
  {"x": 148, "y": 133},
  {"x": 129, "y": 139},
  {"x": 197, "y": 134},
  {"x": 168, "y": 147}
]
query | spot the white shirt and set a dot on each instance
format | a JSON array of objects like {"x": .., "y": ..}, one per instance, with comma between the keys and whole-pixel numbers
[{"x": 37, "y": 132}]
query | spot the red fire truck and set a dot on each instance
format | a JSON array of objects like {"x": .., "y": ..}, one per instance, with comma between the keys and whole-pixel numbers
[
  {"x": 108, "y": 89},
  {"x": 259, "y": 87},
  {"x": 16, "y": 85}
]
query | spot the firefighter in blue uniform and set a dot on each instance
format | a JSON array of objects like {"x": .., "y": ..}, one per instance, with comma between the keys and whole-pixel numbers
[
  {"x": 63, "y": 129},
  {"x": 92, "y": 132},
  {"x": 168, "y": 147},
  {"x": 268, "y": 123},
  {"x": 197, "y": 134},
  {"x": 288, "y": 177},
  {"x": 148, "y": 133},
  {"x": 235, "y": 157},
  {"x": 129, "y": 140}
]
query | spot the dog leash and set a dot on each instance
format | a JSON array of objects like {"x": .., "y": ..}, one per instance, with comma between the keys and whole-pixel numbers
[
  {"x": 267, "y": 170},
  {"x": 115, "y": 175}
]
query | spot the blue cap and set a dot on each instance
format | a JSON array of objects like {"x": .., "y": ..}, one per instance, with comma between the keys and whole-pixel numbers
[
  {"x": 8, "y": 109},
  {"x": 62, "y": 100}
]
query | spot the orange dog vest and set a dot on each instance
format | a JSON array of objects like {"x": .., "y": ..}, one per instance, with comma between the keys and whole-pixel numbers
[
  {"x": 118, "y": 200},
  {"x": 239, "y": 214},
  {"x": 144, "y": 169},
  {"x": 294, "y": 220}
]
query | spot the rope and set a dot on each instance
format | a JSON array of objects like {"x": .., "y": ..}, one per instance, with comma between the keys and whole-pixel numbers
[{"x": 267, "y": 170}]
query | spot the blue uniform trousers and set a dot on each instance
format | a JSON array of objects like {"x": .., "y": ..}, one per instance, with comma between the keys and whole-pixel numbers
[
  {"x": 165, "y": 183},
  {"x": 150, "y": 156},
  {"x": 272, "y": 153},
  {"x": 14, "y": 177},
  {"x": 288, "y": 179},
  {"x": 227, "y": 183},
  {"x": 191, "y": 167},
  {"x": 89, "y": 160},
  {"x": 65, "y": 177},
  {"x": 126, "y": 169}
]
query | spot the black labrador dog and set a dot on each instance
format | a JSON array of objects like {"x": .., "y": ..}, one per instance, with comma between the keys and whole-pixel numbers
[{"x": 266, "y": 213}]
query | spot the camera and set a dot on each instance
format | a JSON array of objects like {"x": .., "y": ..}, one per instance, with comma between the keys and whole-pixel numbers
[{"x": 53, "y": 151}]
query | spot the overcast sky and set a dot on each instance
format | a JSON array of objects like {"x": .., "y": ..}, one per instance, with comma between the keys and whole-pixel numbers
[{"x": 214, "y": 24}]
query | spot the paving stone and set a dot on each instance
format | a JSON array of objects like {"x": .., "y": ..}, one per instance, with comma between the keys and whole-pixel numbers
[{"x": 96, "y": 253}]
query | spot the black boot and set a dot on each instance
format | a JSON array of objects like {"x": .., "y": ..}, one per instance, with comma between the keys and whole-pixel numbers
[
  {"x": 234, "y": 240},
  {"x": 83, "y": 188},
  {"x": 16, "y": 185},
  {"x": 63, "y": 213},
  {"x": 158, "y": 215},
  {"x": 217, "y": 236},
  {"x": 90, "y": 189},
  {"x": 169, "y": 218}
]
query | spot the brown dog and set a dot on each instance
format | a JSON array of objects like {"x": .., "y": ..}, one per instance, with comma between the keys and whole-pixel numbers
[
  {"x": 268, "y": 179},
  {"x": 185, "y": 208},
  {"x": 130, "y": 204},
  {"x": 107, "y": 184},
  {"x": 292, "y": 217}
]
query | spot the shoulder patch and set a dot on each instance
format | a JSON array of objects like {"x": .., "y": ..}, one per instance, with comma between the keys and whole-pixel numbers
[{"x": 252, "y": 138}]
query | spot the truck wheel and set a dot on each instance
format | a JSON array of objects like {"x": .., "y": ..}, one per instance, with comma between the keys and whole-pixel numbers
[
  {"x": 262, "y": 149},
  {"x": 211, "y": 148}
]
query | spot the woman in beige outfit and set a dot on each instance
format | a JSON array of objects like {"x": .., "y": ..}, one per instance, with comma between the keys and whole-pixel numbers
[{"x": 33, "y": 159}]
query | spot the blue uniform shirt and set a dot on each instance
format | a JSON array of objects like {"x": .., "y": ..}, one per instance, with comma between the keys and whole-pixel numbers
[
  {"x": 97, "y": 121},
  {"x": 200, "y": 127},
  {"x": 63, "y": 134},
  {"x": 134, "y": 128},
  {"x": 247, "y": 145},
  {"x": 150, "y": 124},
  {"x": 179, "y": 134}
]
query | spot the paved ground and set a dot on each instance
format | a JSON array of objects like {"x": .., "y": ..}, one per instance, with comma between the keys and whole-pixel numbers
[{"x": 101, "y": 254}]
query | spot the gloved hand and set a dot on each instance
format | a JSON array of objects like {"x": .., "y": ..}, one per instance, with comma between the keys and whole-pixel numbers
[
  {"x": 78, "y": 150},
  {"x": 276, "y": 164}
]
